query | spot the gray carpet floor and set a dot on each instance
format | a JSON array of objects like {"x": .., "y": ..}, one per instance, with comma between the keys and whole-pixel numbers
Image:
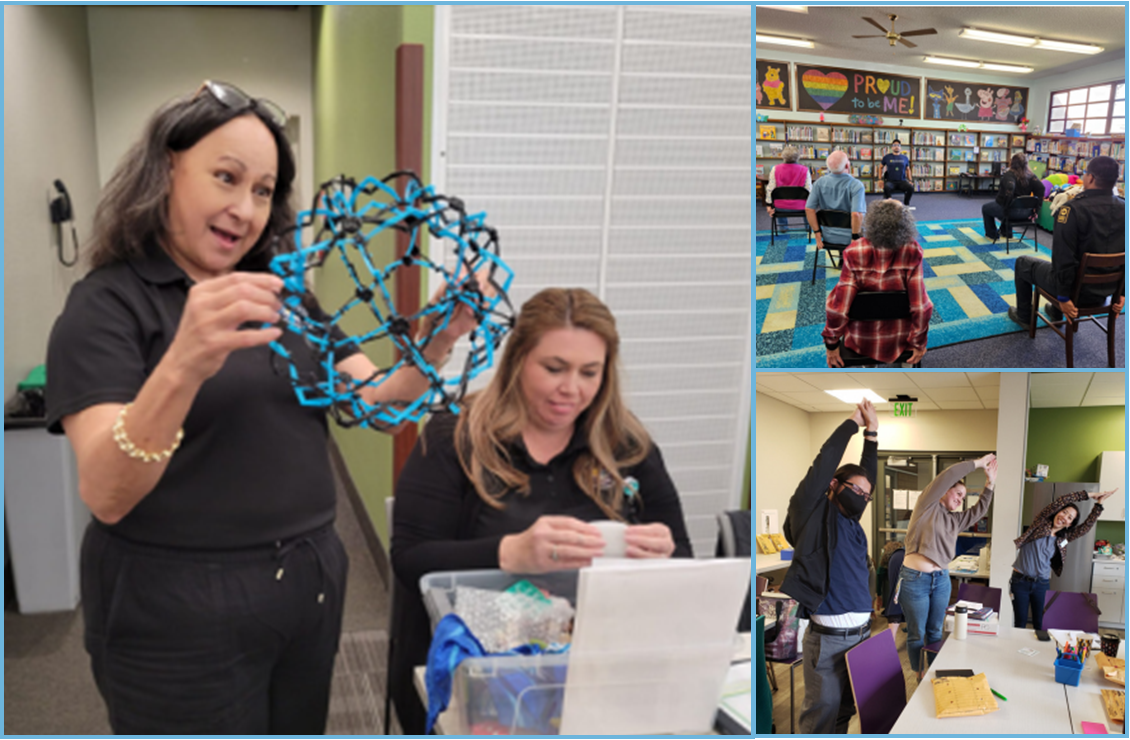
[{"x": 49, "y": 690}]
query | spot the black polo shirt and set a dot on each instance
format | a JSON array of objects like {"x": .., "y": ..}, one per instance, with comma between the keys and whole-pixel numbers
[{"x": 253, "y": 466}]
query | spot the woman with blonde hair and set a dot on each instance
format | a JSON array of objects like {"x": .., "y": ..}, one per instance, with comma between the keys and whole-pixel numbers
[{"x": 512, "y": 481}]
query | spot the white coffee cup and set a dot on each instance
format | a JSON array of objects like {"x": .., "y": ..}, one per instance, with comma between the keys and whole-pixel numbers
[{"x": 613, "y": 533}]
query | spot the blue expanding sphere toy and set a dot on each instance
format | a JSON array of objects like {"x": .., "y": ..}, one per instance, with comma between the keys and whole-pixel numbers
[{"x": 346, "y": 217}]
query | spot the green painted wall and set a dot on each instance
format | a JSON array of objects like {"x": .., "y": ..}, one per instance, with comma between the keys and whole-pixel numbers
[
  {"x": 354, "y": 134},
  {"x": 1069, "y": 442}
]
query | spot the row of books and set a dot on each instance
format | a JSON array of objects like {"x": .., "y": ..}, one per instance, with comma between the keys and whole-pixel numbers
[
  {"x": 851, "y": 136},
  {"x": 929, "y": 139},
  {"x": 1075, "y": 148},
  {"x": 936, "y": 155},
  {"x": 962, "y": 155},
  {"x": 928, "y": 170},
  {"x": 807, "y": 133},
  {"x": 998, "y": 140},
  {"x": 963, "y": 139}
]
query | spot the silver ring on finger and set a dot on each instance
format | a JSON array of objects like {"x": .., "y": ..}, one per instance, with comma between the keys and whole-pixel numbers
[{"x": 553, "y": 554}]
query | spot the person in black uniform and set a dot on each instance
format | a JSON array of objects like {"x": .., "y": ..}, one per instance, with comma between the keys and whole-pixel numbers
[
  {"x": 1017, "y": 181},
  {"x": 829, "y": 577},
  {"x": 1094, "y": 221},
  {"x": 896, "y": 173},
  {"x": 511, "y": 481},
  {"x": 212, "y": 578}
]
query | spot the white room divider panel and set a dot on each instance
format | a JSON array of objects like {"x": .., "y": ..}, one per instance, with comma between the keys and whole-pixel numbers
[{"x": 610, "y": 147}]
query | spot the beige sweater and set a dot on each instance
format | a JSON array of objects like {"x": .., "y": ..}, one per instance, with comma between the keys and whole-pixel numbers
[{"x": 933, "y": 529}]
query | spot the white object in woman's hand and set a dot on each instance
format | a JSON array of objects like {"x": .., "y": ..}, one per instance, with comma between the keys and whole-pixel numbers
[
  {"x": 209, "y": 328},
  {"x": 649, "y": 541},
  {"x": 551, "y": 543}
]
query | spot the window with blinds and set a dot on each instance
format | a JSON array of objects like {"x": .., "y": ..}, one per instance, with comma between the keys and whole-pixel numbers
[{"x": 610, "y": 148}]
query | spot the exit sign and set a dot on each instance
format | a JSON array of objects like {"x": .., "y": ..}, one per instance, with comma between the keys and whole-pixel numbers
[{"x": 903, "y": 409}]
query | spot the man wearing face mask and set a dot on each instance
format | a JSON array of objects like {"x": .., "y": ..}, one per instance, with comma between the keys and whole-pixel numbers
[{"x": 828, "y": 577}]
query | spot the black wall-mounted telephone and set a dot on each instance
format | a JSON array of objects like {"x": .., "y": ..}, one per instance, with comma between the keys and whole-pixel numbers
[{"x": 61, "y": 212}]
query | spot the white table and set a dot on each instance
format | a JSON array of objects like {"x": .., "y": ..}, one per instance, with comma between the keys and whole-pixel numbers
[
  {"x": 963, "y": 576},
  {"x": 1036, "y": 703},
  {"x": 1086, "y": 700},
  {"x": 767, "y": 563}
]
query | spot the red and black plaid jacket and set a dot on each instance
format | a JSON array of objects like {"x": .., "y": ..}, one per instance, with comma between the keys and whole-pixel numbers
[{"x": 869, "y": 268}]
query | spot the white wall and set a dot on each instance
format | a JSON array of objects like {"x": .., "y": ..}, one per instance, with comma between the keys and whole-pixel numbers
[
  {"x": 1042, "y": 89},
  {"x": 956, "y": 431},
  {"x": 48, "y": 134},
  {"x": 782, "y": 454},
  {"x": 143, "y": 56}
]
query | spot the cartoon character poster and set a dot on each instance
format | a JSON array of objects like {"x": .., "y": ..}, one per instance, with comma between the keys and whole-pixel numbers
[
  {"x": 773, "y": 86},
  {"x": 839, "y": 90},
  {"x": 982, "y": 102}
]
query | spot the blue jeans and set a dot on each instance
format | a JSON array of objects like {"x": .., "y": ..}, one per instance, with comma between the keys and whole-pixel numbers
[
  {"x": 1027, "y": 594},
  {"x": 923, "y": 598}
]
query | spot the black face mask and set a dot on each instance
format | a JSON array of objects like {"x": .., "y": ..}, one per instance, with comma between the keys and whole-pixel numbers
[{"x": 851, "y": 502}]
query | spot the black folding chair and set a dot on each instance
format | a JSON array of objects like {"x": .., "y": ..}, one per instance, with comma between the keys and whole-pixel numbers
[
  {"x": 789, "y": 193},
  {"x": 876, "y": 306},
  {"x": 837, "y": 220},
  {"x": 1024, "y": 210},
  {"x": 995, "y": 177}
]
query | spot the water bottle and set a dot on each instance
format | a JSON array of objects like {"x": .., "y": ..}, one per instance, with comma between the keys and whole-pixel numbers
[{"x": 960, "y": 622}]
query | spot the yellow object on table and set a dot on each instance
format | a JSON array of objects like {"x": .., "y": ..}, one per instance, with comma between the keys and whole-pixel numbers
[
  {"x": 765, "y": 545},
  {"x": 1114, "y": 669},
  {"x": 963, "y": 696},
  {"x": 1115, "y": 704}
]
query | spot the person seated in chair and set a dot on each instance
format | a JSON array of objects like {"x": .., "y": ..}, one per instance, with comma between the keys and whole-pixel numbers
[
  {"x": 1016, "y": 182},
  {"x": 887, "y": 260},
  {"x": 788, "y": 174},
  {"x": 836, "y": 191},
  {"x": 1095, "y": 222},
  {"x": 896, "y": 169}
]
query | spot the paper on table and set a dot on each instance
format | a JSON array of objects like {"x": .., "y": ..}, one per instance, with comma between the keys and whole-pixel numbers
[
  {"x": 900, "y": 499},
  {"x": 1069, "y": 637},
  {"x": 652, "y": 645},
  {"x": 737, "y": 694}
]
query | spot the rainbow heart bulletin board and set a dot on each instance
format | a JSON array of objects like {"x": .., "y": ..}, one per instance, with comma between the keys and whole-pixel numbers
[
  {"x": 840, "y": 90},
  {"x": 774, "y": 85}
]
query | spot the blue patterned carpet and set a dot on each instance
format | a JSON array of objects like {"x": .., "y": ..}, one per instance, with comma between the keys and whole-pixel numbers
[{"x": 969, "y": 279}]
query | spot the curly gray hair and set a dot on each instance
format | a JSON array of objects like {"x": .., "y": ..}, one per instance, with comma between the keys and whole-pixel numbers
[
  {"x": 889, "y": 225},
  {"x": 790, "y": 154}
]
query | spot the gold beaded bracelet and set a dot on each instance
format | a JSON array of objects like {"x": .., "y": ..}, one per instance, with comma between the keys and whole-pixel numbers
[{"x": 128, "y": 447}]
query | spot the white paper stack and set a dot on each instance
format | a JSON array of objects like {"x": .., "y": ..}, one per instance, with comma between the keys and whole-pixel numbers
[{"x": 652, "y": 645}]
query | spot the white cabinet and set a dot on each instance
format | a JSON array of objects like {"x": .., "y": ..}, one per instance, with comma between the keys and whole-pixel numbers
[
  {"x": 1112, "y": 474},
  {"x": 1108, "y": 583}
]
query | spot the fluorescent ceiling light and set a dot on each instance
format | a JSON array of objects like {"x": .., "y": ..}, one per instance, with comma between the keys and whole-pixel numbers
[
  {"x": 790, "y": 8},
  {"x": 762, "y": 39},
  {"x": 855, "y": 395},
  {"x": 1064, "y": 46},
  {"x": 952, "y": 62},
  {"x": 999, "y": 38},
  {"x": 1006, "y": 68}
]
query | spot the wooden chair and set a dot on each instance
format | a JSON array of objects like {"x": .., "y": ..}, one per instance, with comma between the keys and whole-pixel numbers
[
  {"x": 837, "y": 220},
  {"x": 877, "y": 683},
  {"x": 1097, "y": 271},
  {"x": 870, "y": 305}
]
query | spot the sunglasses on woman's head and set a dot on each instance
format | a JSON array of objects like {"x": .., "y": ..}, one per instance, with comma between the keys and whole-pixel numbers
[{"x": 232, "y": 97}]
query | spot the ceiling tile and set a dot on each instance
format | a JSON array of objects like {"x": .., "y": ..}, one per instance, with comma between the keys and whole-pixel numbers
[
  {"x": 959, "y": 405},
  {"x": 991, "y": 403},
  {"x": 926, "y": 406},
  {"x": 1096, "y": 400},
  {"x": 982, "y": 380},
  {"x": 829, "y": 381},
  {"x": 782, "y": 383},
  {"x": 1048, "y": 380},
  {"x": 986, "y": 393},
  {"x": 953, "y": 394},
  {"x": 939, "y": 380},
  {"x": 814, "y": 398}
]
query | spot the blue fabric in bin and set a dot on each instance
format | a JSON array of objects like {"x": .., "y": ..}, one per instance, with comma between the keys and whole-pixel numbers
[{"x": 453, "y": 642}]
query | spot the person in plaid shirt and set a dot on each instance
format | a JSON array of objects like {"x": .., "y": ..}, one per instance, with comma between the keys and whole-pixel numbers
[{"x": 888, "y": 259}]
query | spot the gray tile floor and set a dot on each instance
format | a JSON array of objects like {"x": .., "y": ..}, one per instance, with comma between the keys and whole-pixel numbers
[{"x": 48, "y": 687}]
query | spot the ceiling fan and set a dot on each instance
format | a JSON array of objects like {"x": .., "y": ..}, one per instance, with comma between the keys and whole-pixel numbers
[{"x": 892, "y": 36}]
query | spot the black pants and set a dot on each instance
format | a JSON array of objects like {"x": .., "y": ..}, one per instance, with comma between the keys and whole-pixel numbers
[
  {"x": 214, "y": 642},
  {"x": 992, "y": 211},
  {"x": 901, "y": 185},
  {"x": 1030, "y": 271},
  {"x": 1027, "y": 595}
]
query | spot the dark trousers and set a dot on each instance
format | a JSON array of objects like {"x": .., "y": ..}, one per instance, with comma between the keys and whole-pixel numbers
[
  {"x": 214, "y": 642},
  {"x": 828, "y": 702},
  {"x": 1030, "y": 271},
  {"x": 991, "y": 212},
  {"x": 901, "y": 185},
  {"x": 1027, "y": 594}
]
